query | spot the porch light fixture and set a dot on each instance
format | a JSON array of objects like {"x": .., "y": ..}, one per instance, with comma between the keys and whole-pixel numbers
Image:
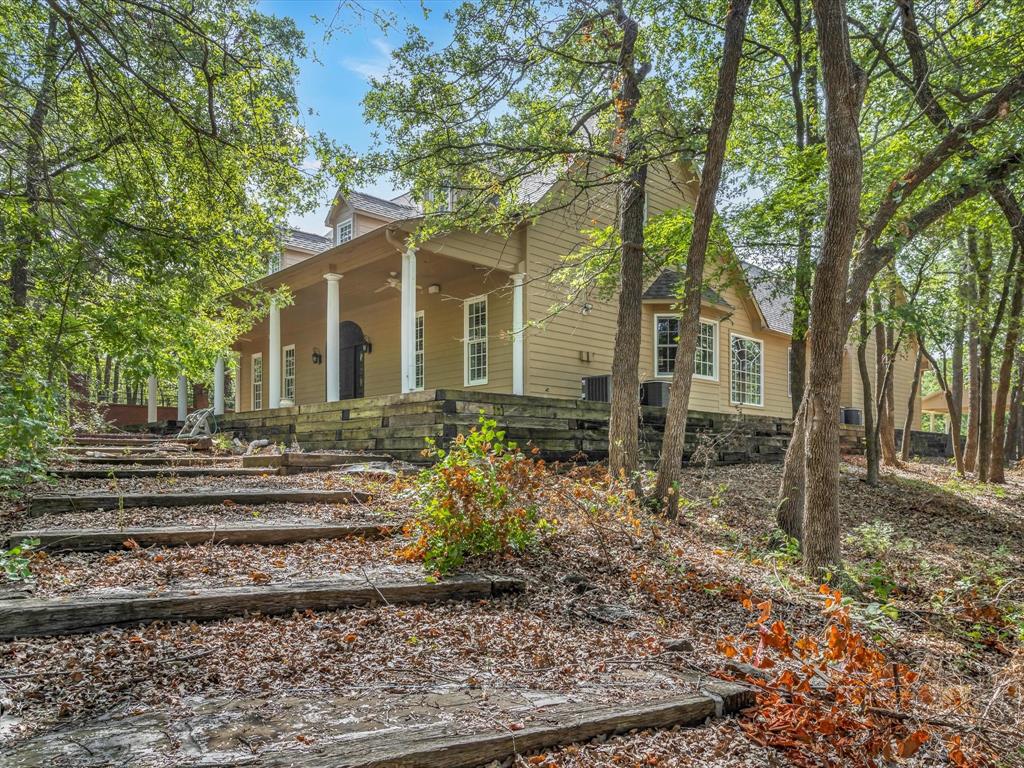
[
  {"x": 317, "y": 357},
  {"x": 435, "y": 288}
]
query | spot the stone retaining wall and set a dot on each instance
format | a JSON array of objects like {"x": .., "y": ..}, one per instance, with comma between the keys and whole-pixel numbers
[{"x": 559, "y": 428}]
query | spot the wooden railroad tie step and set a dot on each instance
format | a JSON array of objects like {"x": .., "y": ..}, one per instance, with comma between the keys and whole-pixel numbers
[
  {"x": 149, "y": 460},
  {"x": 431, "y": 747},
  {"x": 313, "y": 460},
  {"x": 168, "y": 471},
  {"x": 60, "y": 616},
  {"x": 41, "y": 505},
  {"x": 124, "y": 450},
  {"x": 97, "y": 540}
]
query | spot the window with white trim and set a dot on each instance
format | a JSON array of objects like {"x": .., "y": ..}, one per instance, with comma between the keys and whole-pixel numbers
[
  {"x": 746, "y": 381},
  {"x": 257, "y": 381},
  {"x": 666, "y": 341},
  {"x": 418, "y": 361},
  {"x": 288, "y": 373},
  {"x": 343, "y": 231},
  {"x": 476, "y": 340}
]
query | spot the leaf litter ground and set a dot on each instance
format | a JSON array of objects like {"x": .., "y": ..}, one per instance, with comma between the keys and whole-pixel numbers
[{"x": 609, "y": 591}]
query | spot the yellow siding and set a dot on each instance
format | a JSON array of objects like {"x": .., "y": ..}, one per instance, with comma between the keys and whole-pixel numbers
[
  {"x": 302, "y": 324},
  {"x": 902, "y": 379}
]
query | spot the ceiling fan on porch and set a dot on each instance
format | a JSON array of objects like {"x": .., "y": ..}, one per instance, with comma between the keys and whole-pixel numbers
[{"x": 394, "y": 280}]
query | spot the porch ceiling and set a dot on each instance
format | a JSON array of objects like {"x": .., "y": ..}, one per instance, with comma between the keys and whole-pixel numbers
[{"x": 365, "y": 264}]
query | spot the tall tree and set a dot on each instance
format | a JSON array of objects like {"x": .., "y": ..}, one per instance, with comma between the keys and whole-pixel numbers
[
  {"x": 670, "y": 465},
  {"x": 539, "y": 108},
  {"x": 844, "y": 84}
]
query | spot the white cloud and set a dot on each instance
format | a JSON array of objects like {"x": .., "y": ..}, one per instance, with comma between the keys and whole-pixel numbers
[{"x": 374, "y": 65}]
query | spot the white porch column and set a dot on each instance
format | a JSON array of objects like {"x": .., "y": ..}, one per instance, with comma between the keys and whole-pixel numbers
[
  {"x": 518, "y": 328},
  {"x": 333, "y": 351},
  {"x": 274, "y": 358},
  {"x": 218, "y": 386},
  {"x": 182, "y": 397},
  {"x": 151, "y": 397},
  {"x": 408, "y": 320}
]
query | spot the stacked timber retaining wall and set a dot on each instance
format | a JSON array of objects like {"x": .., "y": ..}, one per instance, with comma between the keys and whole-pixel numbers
[{"x": 563, "y": 429}]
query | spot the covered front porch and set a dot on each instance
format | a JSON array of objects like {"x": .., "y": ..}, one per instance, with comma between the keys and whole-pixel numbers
[{"x": 374, "y": 319}]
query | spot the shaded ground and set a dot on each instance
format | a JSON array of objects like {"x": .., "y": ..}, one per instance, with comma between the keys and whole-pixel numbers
[{"x": 941, "y": 562}]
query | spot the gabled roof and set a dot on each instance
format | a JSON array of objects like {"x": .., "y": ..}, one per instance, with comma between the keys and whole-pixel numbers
[
  {"x": 776, "y": 307},
  {"x": 306, "y": 241},
  {"x": 664, "y": 287},
  {"x": 378, "y": 206},
  {"x": 776, "y": 304}
]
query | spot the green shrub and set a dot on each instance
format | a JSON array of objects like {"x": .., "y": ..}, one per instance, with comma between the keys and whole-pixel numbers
[
  {"x": 481, "y": 497},
  {"x": 29, "y": 429},
  {"x": 14, "y": 562}
]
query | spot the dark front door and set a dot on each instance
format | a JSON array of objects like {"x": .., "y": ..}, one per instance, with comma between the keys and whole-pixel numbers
[{"x": 351, "y": 360}]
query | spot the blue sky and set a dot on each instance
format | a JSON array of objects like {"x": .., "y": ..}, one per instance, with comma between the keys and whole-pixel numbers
[{"x": 335, "y": 76}]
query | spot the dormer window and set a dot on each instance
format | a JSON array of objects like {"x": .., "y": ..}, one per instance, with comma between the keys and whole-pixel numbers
[
  {"x": 343, "y": 231},
  {"x": 443, "y": 198}
]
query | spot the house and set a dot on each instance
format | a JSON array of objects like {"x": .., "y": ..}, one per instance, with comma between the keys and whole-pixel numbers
[{"x": 478, "y": 311}]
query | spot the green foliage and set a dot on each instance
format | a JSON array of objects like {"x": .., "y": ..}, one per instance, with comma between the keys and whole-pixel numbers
[
  {"x": 14, "y": 563},
  {"x": 481, "y": 497},
  {"x": 164, "y": 153},
  {"x": 28, "y": 429}
]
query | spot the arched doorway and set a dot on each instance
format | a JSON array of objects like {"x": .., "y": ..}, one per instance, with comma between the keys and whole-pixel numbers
[{"x": 353, "y": 345}]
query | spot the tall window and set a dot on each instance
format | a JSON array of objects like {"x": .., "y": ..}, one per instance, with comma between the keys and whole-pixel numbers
[
  {"x": 666, "y": 340},
  {"x": 746, "y": 386},
  {"x": 257, "y": 381},
  {"x": 418, "y": 352},
  {"x": 476, "y": 340},
  {"x": 288, "y": 373},
  {"x": 343, "y": 231}
]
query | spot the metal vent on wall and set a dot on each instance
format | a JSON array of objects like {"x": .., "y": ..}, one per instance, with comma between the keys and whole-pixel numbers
[
  {"x": 654, "y": 393},
  {"x": 597, "y": 389}
]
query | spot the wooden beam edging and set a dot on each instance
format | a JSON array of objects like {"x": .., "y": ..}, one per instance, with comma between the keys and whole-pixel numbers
[
  {"x": 184, "y": 460},
  {"x": 99, "y": 540},
  {"x": 423, "y": 747},
  {"x": 163, "y": 471},
  {"x": 72, "y": 615},
  {"x": 57, "y": 503}
]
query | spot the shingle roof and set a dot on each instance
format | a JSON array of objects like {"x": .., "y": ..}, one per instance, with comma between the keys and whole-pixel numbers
[
  {"x": 307, "y": 241},
  {"x": 376, "y": 206},
  {"x": 664, "y": 287},
  {"x": 776, "y": 303}
]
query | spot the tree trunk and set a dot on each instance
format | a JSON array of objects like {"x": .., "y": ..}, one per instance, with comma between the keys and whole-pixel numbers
[
  {"x": 951, "y": 405},
  {"x": 1013, "y": 427},
  {"x": 844, "y": 87},
  {"x": 870, "y": 441},
  {"x": 107, "y": 366},
  {"x": 35, "y": 171},
  {"x": 670, "y": 466},
  {"x": 973, "y": 358},
  {"x": 997, "y": 473},
  {"x": 883, "y": 351},
  {"x": 623, "y": 424},
  {"x": 957, "y": 376},
  {"x": 807, "y": 117},
  {"x": 116, "y": 389},
  {"x": 790, "y": 509},
  {"x": 908, "y": 422}
]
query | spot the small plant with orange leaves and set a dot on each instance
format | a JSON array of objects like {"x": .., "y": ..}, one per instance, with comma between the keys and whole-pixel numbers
[
  {"x": 836, "y": 699},
  {"x": 481, "y": 497}
]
